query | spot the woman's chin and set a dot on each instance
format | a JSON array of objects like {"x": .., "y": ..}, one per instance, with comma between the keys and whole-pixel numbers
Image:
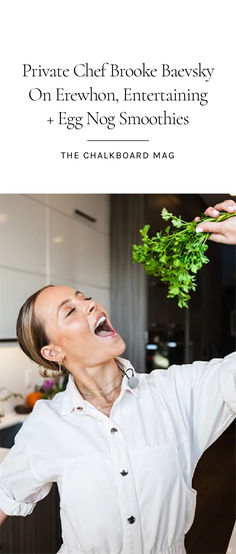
[
  {"x": 114, "y": 345},
  {"x": 121, "y": 347}
]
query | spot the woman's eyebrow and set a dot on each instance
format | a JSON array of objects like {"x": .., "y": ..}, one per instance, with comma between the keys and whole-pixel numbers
[{"x": 67, "y": 300}]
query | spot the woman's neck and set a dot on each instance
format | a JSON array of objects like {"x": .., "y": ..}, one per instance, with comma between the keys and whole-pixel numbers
[{"x": 98, "y": 380}]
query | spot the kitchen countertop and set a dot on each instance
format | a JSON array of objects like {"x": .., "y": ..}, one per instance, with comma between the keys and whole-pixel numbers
[{"x": 11, "y": 419}]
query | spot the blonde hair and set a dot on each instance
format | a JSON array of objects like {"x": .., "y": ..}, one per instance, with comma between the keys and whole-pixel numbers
[{"x": 32, "y": 337}]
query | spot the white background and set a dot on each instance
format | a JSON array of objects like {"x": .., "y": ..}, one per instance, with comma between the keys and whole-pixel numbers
[{"x": 55, "y": 33}]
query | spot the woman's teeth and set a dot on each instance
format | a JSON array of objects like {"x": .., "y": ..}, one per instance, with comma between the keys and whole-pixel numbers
[
  {"x": 103, "y": 329},
  {"x": 100, "y": 321}
]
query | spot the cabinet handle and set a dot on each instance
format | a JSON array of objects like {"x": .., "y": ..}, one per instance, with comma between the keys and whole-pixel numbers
[{"x": 86, "y": 216}]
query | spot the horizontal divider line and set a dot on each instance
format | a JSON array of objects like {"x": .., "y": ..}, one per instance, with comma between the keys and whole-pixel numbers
[{"x": 117, "y": 140}]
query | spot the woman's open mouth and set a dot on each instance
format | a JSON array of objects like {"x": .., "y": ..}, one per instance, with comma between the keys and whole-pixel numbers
[{"x": 103, "y": 329}]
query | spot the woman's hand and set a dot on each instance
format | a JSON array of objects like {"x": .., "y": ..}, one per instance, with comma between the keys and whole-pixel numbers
[{"x": 221, "y": 231}]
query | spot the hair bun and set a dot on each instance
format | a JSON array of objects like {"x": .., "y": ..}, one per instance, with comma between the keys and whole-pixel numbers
[{"x": 46, "y": 372}]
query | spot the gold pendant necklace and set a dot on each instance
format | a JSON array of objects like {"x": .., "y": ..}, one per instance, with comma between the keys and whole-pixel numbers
[
  {"x": 110, "y": 403},
  {"x": 89, "y": 394}
]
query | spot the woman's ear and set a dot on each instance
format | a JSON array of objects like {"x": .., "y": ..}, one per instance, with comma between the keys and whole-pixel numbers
[{"x": 52, "y": 353}]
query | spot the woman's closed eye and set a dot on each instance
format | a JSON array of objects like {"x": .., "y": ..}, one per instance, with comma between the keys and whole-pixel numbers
[
  {"x": 72, "y": 309},
  {"x": 70, "y": 312}
]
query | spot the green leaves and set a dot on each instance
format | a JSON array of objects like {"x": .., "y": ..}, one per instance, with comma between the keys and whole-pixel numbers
[
  {"x": 165, "y": 214},
  {"x": 175, "y": 257},
  {"x": 176, "y": 221}
]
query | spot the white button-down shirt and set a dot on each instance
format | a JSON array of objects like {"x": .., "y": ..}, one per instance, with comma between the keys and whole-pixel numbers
[{"x": 125, "y": 481}]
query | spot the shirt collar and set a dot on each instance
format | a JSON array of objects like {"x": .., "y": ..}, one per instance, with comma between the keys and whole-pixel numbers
[{"x": 73, "y": 399}]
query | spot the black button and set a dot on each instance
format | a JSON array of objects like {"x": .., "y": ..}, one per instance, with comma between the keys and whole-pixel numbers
[
  {"x": 114, "y": 430},
  {"x": 124, "y": 472},
  {"x": 79, "y": 408},
  {"x": 131, "y": 519}
]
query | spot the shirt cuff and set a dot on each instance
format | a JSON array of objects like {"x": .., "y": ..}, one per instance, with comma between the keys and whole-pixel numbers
[
  {"x": 228, "y": 380},
  {"x": 13, "y": 507}
]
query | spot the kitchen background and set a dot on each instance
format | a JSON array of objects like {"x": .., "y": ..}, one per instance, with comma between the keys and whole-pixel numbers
[
  {"x": 43, "y": 240},
  {"x": 48, "y": 239}
]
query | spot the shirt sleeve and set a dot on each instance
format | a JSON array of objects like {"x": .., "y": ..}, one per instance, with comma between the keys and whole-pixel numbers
[
  {"x": 209, "y": 391},
  {"x": 20, "y": 489},
  {"x": 203, "y": 396}
]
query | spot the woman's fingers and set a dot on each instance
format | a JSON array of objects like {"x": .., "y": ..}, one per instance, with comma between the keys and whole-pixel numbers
[
  {"x": 212, "y": 212},
  {"x": 217, "y": 237},
  {"x": 227, "y": 206},
  {"x": 210, "y": 227},
  {"x": 221, "y": 231}
]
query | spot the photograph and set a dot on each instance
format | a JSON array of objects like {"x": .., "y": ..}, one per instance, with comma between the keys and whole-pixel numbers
[{"x": 117, "y": 373}]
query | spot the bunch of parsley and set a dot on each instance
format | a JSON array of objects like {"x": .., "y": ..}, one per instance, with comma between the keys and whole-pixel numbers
[{"x": 175, "y": 255}]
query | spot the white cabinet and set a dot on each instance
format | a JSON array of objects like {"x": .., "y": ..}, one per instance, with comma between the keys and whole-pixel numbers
[
  {"x": 94, "y": 205},
  {"x": 78, "y": 252},
  {"x": 22, "y": 233},
  {"x": 15, "y": 287},
  {"x": 43, "y": 241}
]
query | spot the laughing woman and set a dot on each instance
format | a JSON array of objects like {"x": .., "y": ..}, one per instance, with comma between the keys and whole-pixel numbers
[{"x": 122, "y": 446}]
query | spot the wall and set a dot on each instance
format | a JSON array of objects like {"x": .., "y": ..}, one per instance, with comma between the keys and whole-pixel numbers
[
  {"x": 43, "y": 241},
  {"x": 128, "y": 280}
]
